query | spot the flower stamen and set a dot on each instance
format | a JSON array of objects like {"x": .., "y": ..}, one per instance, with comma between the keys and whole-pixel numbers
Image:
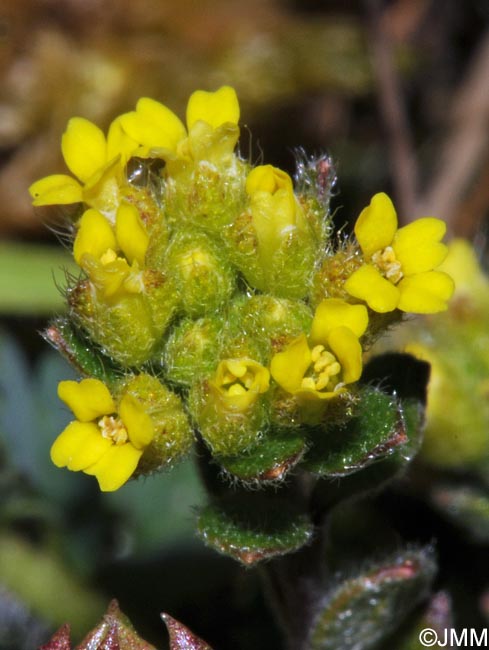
[
  {"x": 388, "y": 264},
  {"x": 324, "y": 367},
  {"x": 112, "y": 428}
]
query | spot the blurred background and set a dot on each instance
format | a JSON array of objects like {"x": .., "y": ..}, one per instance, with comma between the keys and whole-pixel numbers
[{"x": 397, "y": 92}]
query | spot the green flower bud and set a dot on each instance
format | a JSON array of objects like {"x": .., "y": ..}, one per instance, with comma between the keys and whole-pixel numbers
[
  {"x": 146, "y": 199},
  {"x": 271, "y": 321},
  {"x": 206, "y": 196},
  {"x": 191, "y": 350},
  {"x": 202, "y": 277},
  {"x": 329, "y": 279},
  {"x": 271, "y": 242},
  {"x": 173, "y": 435},
  {"x": 129, "y": 325}
]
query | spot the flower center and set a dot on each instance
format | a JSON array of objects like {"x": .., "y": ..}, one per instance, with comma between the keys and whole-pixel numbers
[
  {"x": 112, "y": 428},
  {"x": 323, "y": 371},
  {"x": 387, "y": 263},
  {"x": 238, "y": 379}
]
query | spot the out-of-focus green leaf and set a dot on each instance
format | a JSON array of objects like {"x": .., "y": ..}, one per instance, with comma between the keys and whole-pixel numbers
[
  {"x": 437, "y": 616},
  {"x": 30, "y": 277},
  {"x": 157, "y": 509},
  {"x": 39, "y": 578},
  {"x": 467, "y": 506},
  {"x": 31, "y": 416},
  {"x": 363, "y": 610}
]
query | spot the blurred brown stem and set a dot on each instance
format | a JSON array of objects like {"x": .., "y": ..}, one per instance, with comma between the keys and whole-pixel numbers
[
  {"x": 465, "y": 147},
  {"x": 392, "y": 108}
]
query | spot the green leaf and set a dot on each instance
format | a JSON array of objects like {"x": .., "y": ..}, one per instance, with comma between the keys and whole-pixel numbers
[
  {"x": 277, "y": 453},
  {"x": 181, "y": 638},
  {"x": 363, "y": 610},
  {"x": 375, "y": 431},
  {"x": 30, "y": 277},
  {"x": 436, "y": 616},
  {"x": 467, "y": 506},
  {"x": 79, "y": 351},
  {"x": 252, "y": 527}
]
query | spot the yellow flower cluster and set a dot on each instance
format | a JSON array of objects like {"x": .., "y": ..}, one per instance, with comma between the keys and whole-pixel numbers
[{"x": 213, "y": 235}]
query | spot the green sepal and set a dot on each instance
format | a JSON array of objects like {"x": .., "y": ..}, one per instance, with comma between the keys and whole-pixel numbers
[
  {"x": 375, "y": 431},
  {"x": 364, "y": 609},
  {"x": 251, "y": 527},
  {"x": 80, "y": 352},
  {"x": 276, "y": 454},
  {"x": 181, "y": 638}
]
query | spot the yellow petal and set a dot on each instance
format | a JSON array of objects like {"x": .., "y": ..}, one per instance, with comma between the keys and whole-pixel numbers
[
  {"x": 154, "y": 125},
  {"x": 95, "y": 236},
  {"x": 90, "y": 450},
  {"x": 376, "y": 226},
  {"x": 206, "y": 143},
  {"x": 425, "y": 293},
  {"x": 347, "y": 349},
  {"x": 88, "y": 399},
  {"x": 58, "y": 189},
  {"x": 67, "y": 443},
  {"x": 132, "y": 237},
  {"x": 417, "y": 246},
  {"x": 266, "y": 178},
  {"x": 108, "y": 278},
  {"x": 119, "y": 143},
  {"x": 115, "y": 467},
  {"x": 288, "y": 367},
  {"x": 367, "y": 284},
  {"x": 215, "y": 108},
  {"x": 137, "y": 422},
  {"x": 84, "y": 148},
  {"x": 332, "y": 313}
]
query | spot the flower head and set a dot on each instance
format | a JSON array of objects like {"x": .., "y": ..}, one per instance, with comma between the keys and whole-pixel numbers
[
  {"x": 398, "y": 272},
  {"x": 106, "y": 440},
  {"x": 320, "y": 368},
  {"x": 98, "y": 163}
]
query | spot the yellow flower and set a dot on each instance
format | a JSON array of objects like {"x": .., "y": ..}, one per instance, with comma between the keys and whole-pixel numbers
[
  {"x": 239, "y": 382},
  {"x": 320, "y": 369},
  {"x": 96, "y": 161},
  {"x": 212, "y": 131},
  {"x": 399, "y": 263},
  {"x": 275, "y": 211},
  {"x": 97, "y": 244},
  {"x": 105, "y": 440}
]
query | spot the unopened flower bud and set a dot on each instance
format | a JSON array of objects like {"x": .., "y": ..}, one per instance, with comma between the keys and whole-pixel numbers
[{"x": 200, "y": 273}]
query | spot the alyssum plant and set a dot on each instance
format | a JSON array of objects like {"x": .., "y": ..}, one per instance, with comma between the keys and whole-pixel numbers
[{"x": 216, "y": 307}]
